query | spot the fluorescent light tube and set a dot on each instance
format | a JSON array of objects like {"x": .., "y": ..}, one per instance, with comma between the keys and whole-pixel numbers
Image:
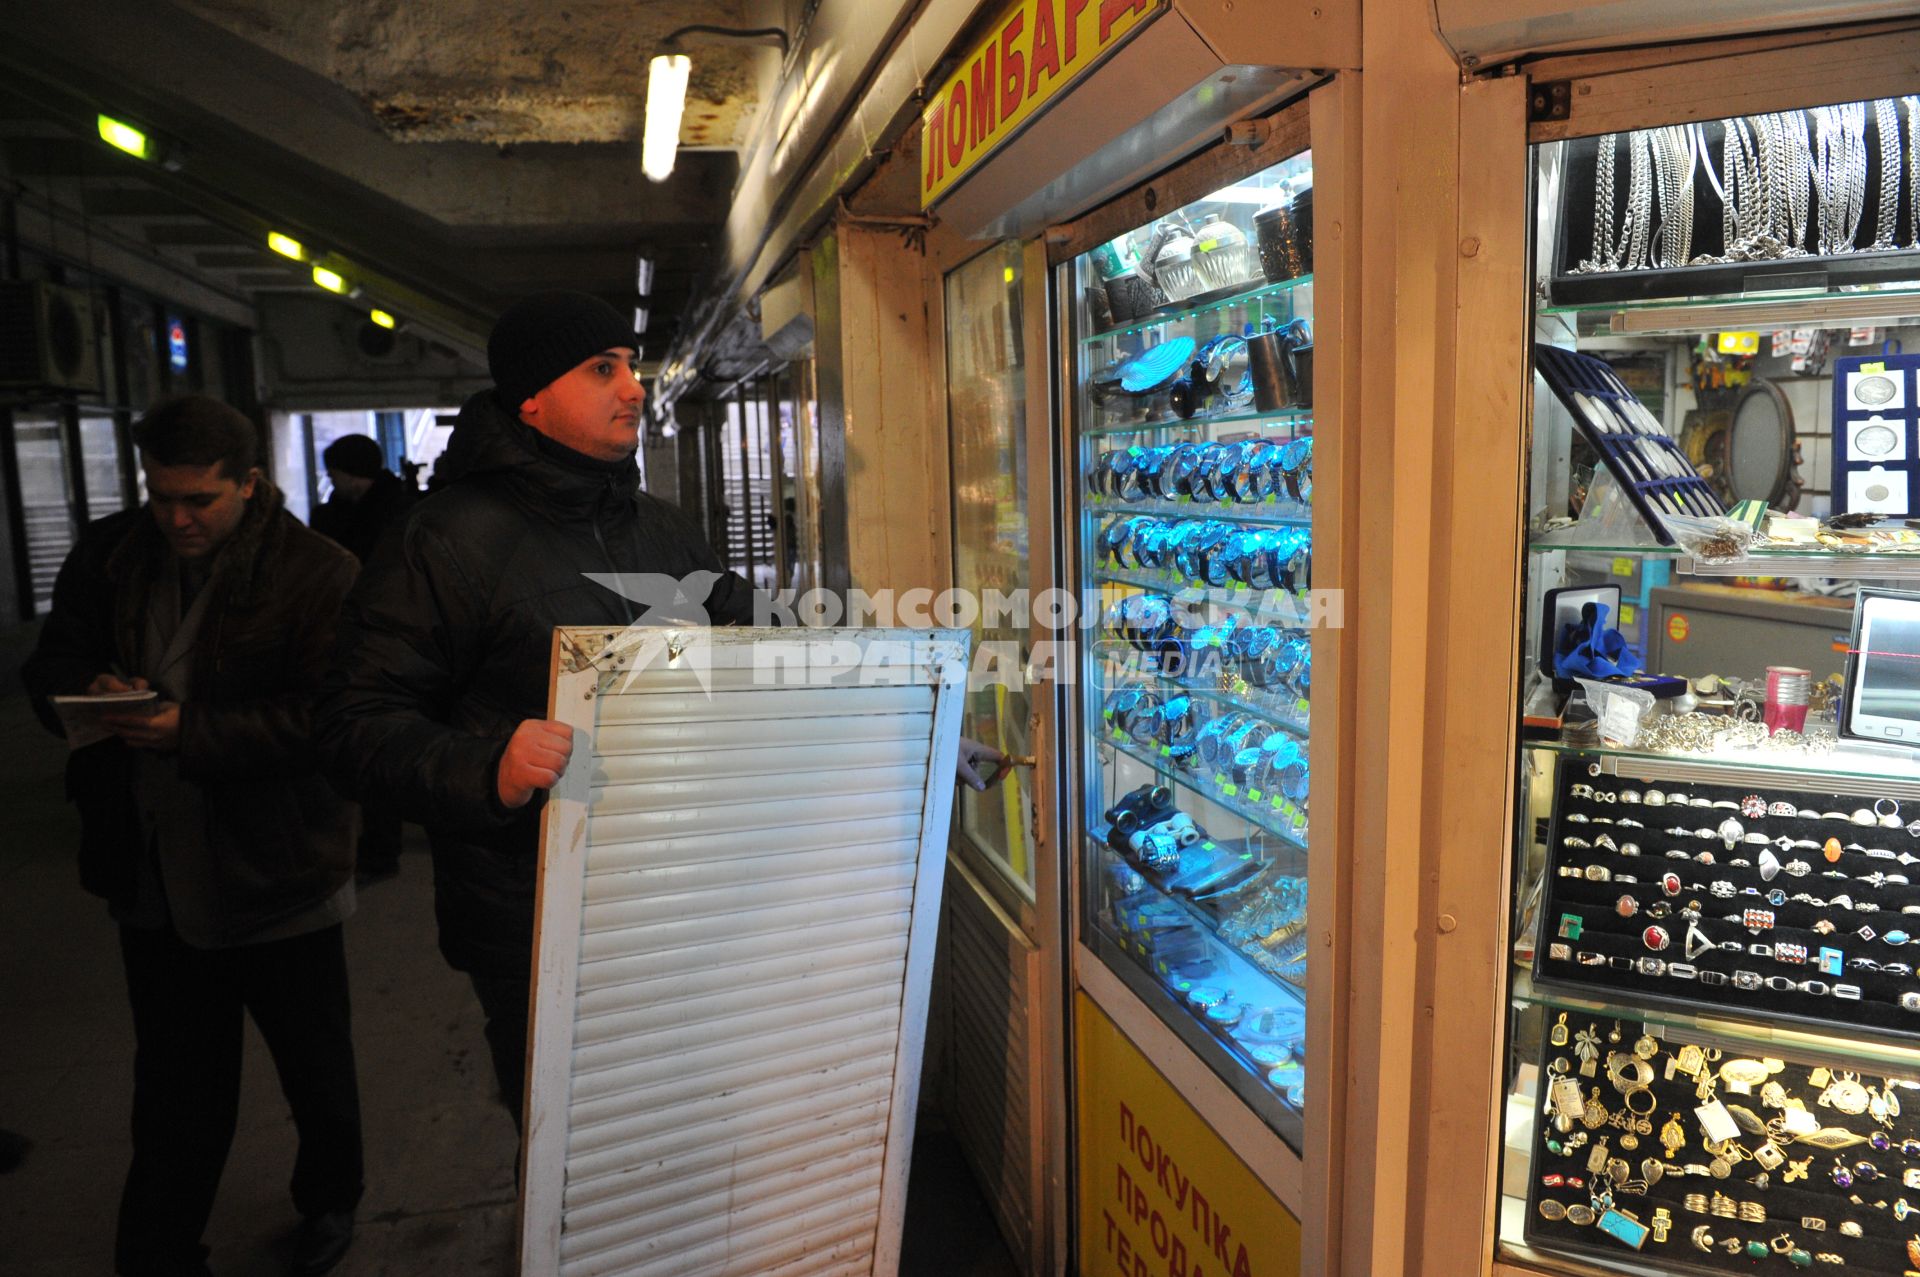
[{"x": 667, "y": 77}]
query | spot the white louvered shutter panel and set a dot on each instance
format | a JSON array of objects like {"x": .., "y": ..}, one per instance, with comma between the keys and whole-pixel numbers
[{"x": 739, "y": 889}]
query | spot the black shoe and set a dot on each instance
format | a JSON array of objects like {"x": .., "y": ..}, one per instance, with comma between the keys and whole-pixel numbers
[{"x": 322, "y": 1242}]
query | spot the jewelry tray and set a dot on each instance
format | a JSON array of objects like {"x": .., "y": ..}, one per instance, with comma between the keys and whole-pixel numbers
[
  {"x": 1649, "y": 466},
  {"x": 1582, "y": 914},
  {"x": 1812, "y": 1194},
  {"x": 1574, "y": 241},
  {"x": 1876, "y": 447}
]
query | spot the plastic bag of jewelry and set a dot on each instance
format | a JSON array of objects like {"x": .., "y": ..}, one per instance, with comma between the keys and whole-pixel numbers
[
  {"x": 1711, "y": 540},
  {"x": 1617, "y": 711}
]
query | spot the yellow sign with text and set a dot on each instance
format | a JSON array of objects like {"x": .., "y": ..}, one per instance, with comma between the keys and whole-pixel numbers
[
  {"x": 1033, "y": 52},
  {"x": 1161, "y": 1195}
]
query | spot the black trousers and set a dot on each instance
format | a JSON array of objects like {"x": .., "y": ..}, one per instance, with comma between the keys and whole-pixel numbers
[
  {"x": 188, "y": 1019},
  {"x": 504, "y": 1000}
]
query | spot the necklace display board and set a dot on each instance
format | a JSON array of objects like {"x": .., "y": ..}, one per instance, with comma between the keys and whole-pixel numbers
[
  {"x": 1789, "y": 200},
  {"x": 1671, "y": 1151},
  {"x": 1779, "y": 906},
  {"x": 739, "y": 890},
  {"x": 1876, "y": 443}
]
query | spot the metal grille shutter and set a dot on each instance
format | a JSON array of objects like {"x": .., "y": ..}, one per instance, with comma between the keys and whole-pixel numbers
[
  {"x": 991, "y": 977},
  {"x": 736, "y": 928}
]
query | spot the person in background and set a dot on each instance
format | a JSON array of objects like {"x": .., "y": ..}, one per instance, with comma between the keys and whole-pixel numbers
[
  {"x": 368, "y": 501},
  {"x": 367, "y": 507},
  {"x": 223, "y": 853}
]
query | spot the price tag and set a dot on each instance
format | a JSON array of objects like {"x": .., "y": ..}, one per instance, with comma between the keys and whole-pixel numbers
[
  {"x": 1627, "y": 613},
  {"x": 1165, "y": 751},
  {"x": 1623, "y": 567},
  {"x": 1230, "y": 789},
  {"x": 1873, "y": 367},
  {"x": 1254, "y": 795}
]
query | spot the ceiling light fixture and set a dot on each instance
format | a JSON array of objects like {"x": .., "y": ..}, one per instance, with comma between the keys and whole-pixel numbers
[
  {"x": 381, "y": 318},
  {"x": 122, "y": 136},
  {"x": 643, "y": 276},
  {"x": 667, "y": 76},
  {"x": 329, "y": 280},
  {"x": 287, "y": 246},
  {"x": 639, "y": 320}
]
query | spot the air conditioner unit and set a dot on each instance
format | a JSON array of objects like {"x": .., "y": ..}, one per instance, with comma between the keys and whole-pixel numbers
[{"x": 48, "y": 338}]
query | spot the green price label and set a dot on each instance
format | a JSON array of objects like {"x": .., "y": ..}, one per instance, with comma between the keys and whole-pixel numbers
[
  {"x": 1623, "y": 567},
  {"x": 1254, "y": 796},
  {"x": 1873, "y": 368},
  {"x": 1230, "y": 789}
]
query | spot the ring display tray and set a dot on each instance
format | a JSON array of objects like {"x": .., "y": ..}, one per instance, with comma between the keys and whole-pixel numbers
[{"x": 1776, "y": 917}]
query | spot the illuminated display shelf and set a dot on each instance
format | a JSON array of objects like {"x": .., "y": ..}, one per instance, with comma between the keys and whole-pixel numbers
[
  {"x": 1290, "y": 417},
  {"x": 1273, "y": 514},
  {"x": 1868, "y": 773},
  {"x": 1714, "y": 1029},
  {"x": 1288, "y": 718},
  {"x": 1181, "y": 315},
  {"x": 1286, "y": 994},
  {"x": 1267, "y": 813},
  {"x": 1279, "y": 607}
]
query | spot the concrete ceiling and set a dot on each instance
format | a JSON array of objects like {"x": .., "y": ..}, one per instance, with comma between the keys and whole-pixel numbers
[{"x": 448, "y": 156}]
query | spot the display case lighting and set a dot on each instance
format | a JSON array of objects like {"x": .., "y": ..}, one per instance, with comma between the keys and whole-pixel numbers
[
  {"x": 122, "y": 136},
  {"x": 330, "y": 280},
  {"x": 287, "y": 246},
  {"x": 381, "y": 317}
]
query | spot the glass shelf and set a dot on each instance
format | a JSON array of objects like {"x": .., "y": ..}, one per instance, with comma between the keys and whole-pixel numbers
[
  {"x": 1275, "y": 815},
  {"x": 1291, "y": 719},
  {"x": 1278, "y": 607},
  {"x": 1857, "y": 1045},
  {"x": 1836, "y": 564},
  {"x": 1175, "y": 316},
  {"x": 1283, "y": 514},
  {"x": 1285, "y": 416},
  {"x": 1870, "y": 773},
  {"x": 1823, "y": 307}
]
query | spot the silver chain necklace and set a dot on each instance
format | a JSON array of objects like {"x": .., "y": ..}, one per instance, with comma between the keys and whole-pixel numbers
[
  {"x": 1887, "y": 120},
  {"x": 1913, "y": 166},
  {"x": 1606, "y": 252},
  {"x": 1675, "y": 173},
  {"x": 1639, "y": 215}
]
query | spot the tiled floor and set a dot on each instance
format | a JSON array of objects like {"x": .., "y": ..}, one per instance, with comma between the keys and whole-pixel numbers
[{"x": 440, "y": 1152}]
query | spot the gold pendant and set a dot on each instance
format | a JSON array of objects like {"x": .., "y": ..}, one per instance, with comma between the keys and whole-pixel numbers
[
  {"x": 1673, "y": 1136},
  {"x": 1629, "y": 1141},
  {"x": 1647, "y": 1047},
  {"x": 1796, "y": 1170},
  {"x": 1595, "y": 1114},
  {"x": 1831, "y": 1139},
  {"x": 1559, "y": 1035},
  {"x": 1690, "y": 1060}
]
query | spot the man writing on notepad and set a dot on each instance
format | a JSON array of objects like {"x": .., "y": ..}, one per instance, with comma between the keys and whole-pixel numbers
[{"x": 222, "y": 852}]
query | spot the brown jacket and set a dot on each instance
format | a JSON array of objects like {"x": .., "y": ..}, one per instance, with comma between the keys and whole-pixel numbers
[{"x": 279, "y": 838}]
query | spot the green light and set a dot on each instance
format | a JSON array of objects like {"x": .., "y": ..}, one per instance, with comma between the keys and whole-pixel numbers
[
  {"x": 123, "y": 137},
  {"x": 381, "y": 318},
  {"x": 329, "y": 280},
  {"x": 286, "y": 246}
]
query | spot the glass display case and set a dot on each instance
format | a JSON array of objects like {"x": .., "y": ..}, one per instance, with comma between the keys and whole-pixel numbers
[
  {"x": 1713, "y": 1038},
  {"x": 1192, "y": 357}
]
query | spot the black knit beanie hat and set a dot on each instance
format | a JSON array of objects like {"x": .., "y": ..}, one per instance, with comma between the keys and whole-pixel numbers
[
  {"x": 357, "y": 455},
  {"x": 543, "y": 336}
]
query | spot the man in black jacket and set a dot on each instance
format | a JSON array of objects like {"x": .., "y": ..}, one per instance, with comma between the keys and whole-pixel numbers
[
  {"x": 223, "y": 853},
  {"x": 437, "y": 698}
]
